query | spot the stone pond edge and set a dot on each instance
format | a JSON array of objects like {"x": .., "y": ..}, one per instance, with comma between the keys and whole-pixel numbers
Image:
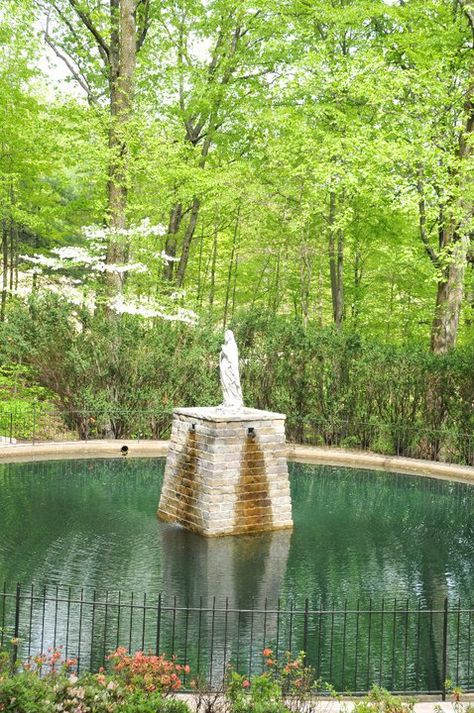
[{"x": 59, "y": 450}]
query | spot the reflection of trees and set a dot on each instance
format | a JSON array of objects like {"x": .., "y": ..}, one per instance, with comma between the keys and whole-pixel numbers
[
  {"x": 82, "y": 522},
  {"x": 360, "y": 533}
]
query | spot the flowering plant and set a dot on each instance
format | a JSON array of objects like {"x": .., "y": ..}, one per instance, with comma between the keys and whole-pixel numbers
[
  {"x": 283, "y": 686},
  {"x": 154, "y": 673},
  {"x": 49, "y": 683}
]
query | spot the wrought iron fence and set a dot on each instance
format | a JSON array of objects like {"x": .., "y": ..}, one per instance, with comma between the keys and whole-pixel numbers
[
  {"x": 38, "y": 424},
  {"x": 404, "y": 646}
]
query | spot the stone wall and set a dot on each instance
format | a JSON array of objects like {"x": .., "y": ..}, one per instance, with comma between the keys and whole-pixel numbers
[{"x": 226, "y": 473}]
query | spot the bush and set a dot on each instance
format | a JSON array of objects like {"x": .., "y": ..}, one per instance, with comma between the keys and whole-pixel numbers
[
  {"x": 123, "y": 378},
  {"x": 379, "y": 700},
  {"x": 284, "y": 687},
  {"x": 48, "y": 684}
]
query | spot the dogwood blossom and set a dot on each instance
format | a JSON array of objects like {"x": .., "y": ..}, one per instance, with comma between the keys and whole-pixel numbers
[
  {"x": 167, "y": 258},
  {"x": 143, "y": 229},
  {"x": 149, "y": 309},
  {"x": 43, "y": 261}
]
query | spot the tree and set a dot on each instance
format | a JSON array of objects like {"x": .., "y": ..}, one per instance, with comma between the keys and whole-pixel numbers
[{"x": 113, "y": 33}]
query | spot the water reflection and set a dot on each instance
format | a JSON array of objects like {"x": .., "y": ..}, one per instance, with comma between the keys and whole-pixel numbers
[
  {"x": 358, "y": 536},
  {"x": 224, "y": 567}
]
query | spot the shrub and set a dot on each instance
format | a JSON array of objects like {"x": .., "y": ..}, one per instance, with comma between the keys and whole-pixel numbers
[
  {"x": 46, "y": 684},
  {"x": 152, "y": 673},
  {"x": 379, "y": 700},
  {"x": 284, "y": 687}
]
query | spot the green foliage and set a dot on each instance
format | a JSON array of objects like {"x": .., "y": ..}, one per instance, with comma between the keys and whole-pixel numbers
[
  {"x": 284, "y": 686},
  {"x": 18, "y": 389},
  {"x": 47, "y": 684},
  {"x": 379, "y": 700},
  {"x": 305, "y": 151},
  {"x": 356, "y": 392},
  {"x": 336, "y": 387},
  {"x": 124, "y": 366}
]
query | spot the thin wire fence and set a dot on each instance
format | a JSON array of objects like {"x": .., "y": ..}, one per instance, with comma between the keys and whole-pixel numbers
[
  {"x": 398, "y": 439},
  {"x": 404, "y": 646},
  {"x": 38, "y": 425}
]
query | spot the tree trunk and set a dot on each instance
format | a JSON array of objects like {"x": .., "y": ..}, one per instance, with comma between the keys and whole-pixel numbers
[
  {"x": 336, "y": 264},
  {"x": 122, "y": 63},
  {"x": 200, "y": 275},
  {"x": 171, "y": 243},
  {"x": 319, "y": 301},
  {"x": 213, "y": 270},
  {"x": 13, "y": 249},
  {"x": 234, "y": 286},
  {"x": 449, "y": 296},
  {"x": 306, "y": 274},
  {"x": 188, "y": 236},
  {"x": 357, "y": 285},
  {"x": 231, "y": 265},
  {"x": 205, "y": 125},
  {"x": 339, "y": 305},
  {"x": 455, "y": 245},
  {"x": 4, "y": 269}
]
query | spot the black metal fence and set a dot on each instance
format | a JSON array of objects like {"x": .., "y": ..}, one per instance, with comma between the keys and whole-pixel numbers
[
  {"x": 38, "y": 424},
  {"x": 403, "y": 646}
]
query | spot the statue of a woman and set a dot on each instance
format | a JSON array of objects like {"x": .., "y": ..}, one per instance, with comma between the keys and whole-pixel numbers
[{"x": 229, "y": 371}]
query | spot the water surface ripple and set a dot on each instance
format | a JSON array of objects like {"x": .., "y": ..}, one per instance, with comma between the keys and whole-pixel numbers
[{"x": 357, "y": 534}]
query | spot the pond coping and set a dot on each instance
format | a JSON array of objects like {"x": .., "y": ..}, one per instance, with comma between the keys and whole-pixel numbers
[
  {"x": 110, "y": 448},
  {"x": 378, "y": 461}
]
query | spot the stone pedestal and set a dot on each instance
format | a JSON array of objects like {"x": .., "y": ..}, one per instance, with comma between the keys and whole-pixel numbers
[{"x": 226, "y": 472}]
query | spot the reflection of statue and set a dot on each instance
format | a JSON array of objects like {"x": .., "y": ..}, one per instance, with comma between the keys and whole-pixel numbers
[{"x": 229, "y": 369}]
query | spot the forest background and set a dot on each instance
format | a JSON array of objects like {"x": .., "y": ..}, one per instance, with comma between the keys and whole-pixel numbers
[{"x": 298, "y": 170}]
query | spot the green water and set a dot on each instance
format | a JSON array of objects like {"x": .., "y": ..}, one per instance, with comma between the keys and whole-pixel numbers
[
  {"x": 356, "y": 533},
  {"x": 361, "y": 540}
]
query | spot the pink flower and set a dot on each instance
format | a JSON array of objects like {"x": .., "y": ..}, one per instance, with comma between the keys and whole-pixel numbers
[{"x": 245, "y": 684}]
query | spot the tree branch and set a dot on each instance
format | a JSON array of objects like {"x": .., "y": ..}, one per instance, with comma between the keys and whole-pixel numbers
[
  {"x": 63, "y": 17},
  {"x": 145, "y": 24},
  {"x": 104, "y": 49},
  {"x": 468, "y": 9},
  {"x": 422, "y": 219},
  {"x": 78, "y": 76}
]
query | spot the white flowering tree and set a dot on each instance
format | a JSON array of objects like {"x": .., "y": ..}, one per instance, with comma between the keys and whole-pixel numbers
[{"x": 76, "y": 274}]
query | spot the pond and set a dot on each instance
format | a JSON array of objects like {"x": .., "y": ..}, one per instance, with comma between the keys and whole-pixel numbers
[{"x": 363, "y": 543}]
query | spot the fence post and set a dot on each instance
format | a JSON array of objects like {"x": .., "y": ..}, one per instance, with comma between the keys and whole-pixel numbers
[
  {"x": 444, "y": 671},
  {"x": 305, "y": 630},
  {"x": 16, "y": 632}
]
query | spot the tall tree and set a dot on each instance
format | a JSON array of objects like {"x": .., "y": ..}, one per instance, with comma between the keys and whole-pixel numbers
[
  {"x": 456, "y": 227},
  {"x": 113, "y": 32}
]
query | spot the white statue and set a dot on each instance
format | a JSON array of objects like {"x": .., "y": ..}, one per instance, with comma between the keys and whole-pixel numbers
[{"x": 229, "y": 371}]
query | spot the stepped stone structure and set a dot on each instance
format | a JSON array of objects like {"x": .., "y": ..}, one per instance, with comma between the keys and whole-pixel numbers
[{"x": 226, "y": 472}]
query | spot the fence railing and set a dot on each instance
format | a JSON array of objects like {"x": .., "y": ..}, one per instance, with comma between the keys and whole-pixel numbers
[
  {"x": 415, "y": 441},
  {"x": 408, "y": 647},
  {"x": 412, "y": 441},
  {"x": 38, "y": 424}
]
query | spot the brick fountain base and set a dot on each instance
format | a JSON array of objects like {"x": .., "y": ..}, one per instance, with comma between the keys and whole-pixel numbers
[{"x": 226, "y": 472}]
